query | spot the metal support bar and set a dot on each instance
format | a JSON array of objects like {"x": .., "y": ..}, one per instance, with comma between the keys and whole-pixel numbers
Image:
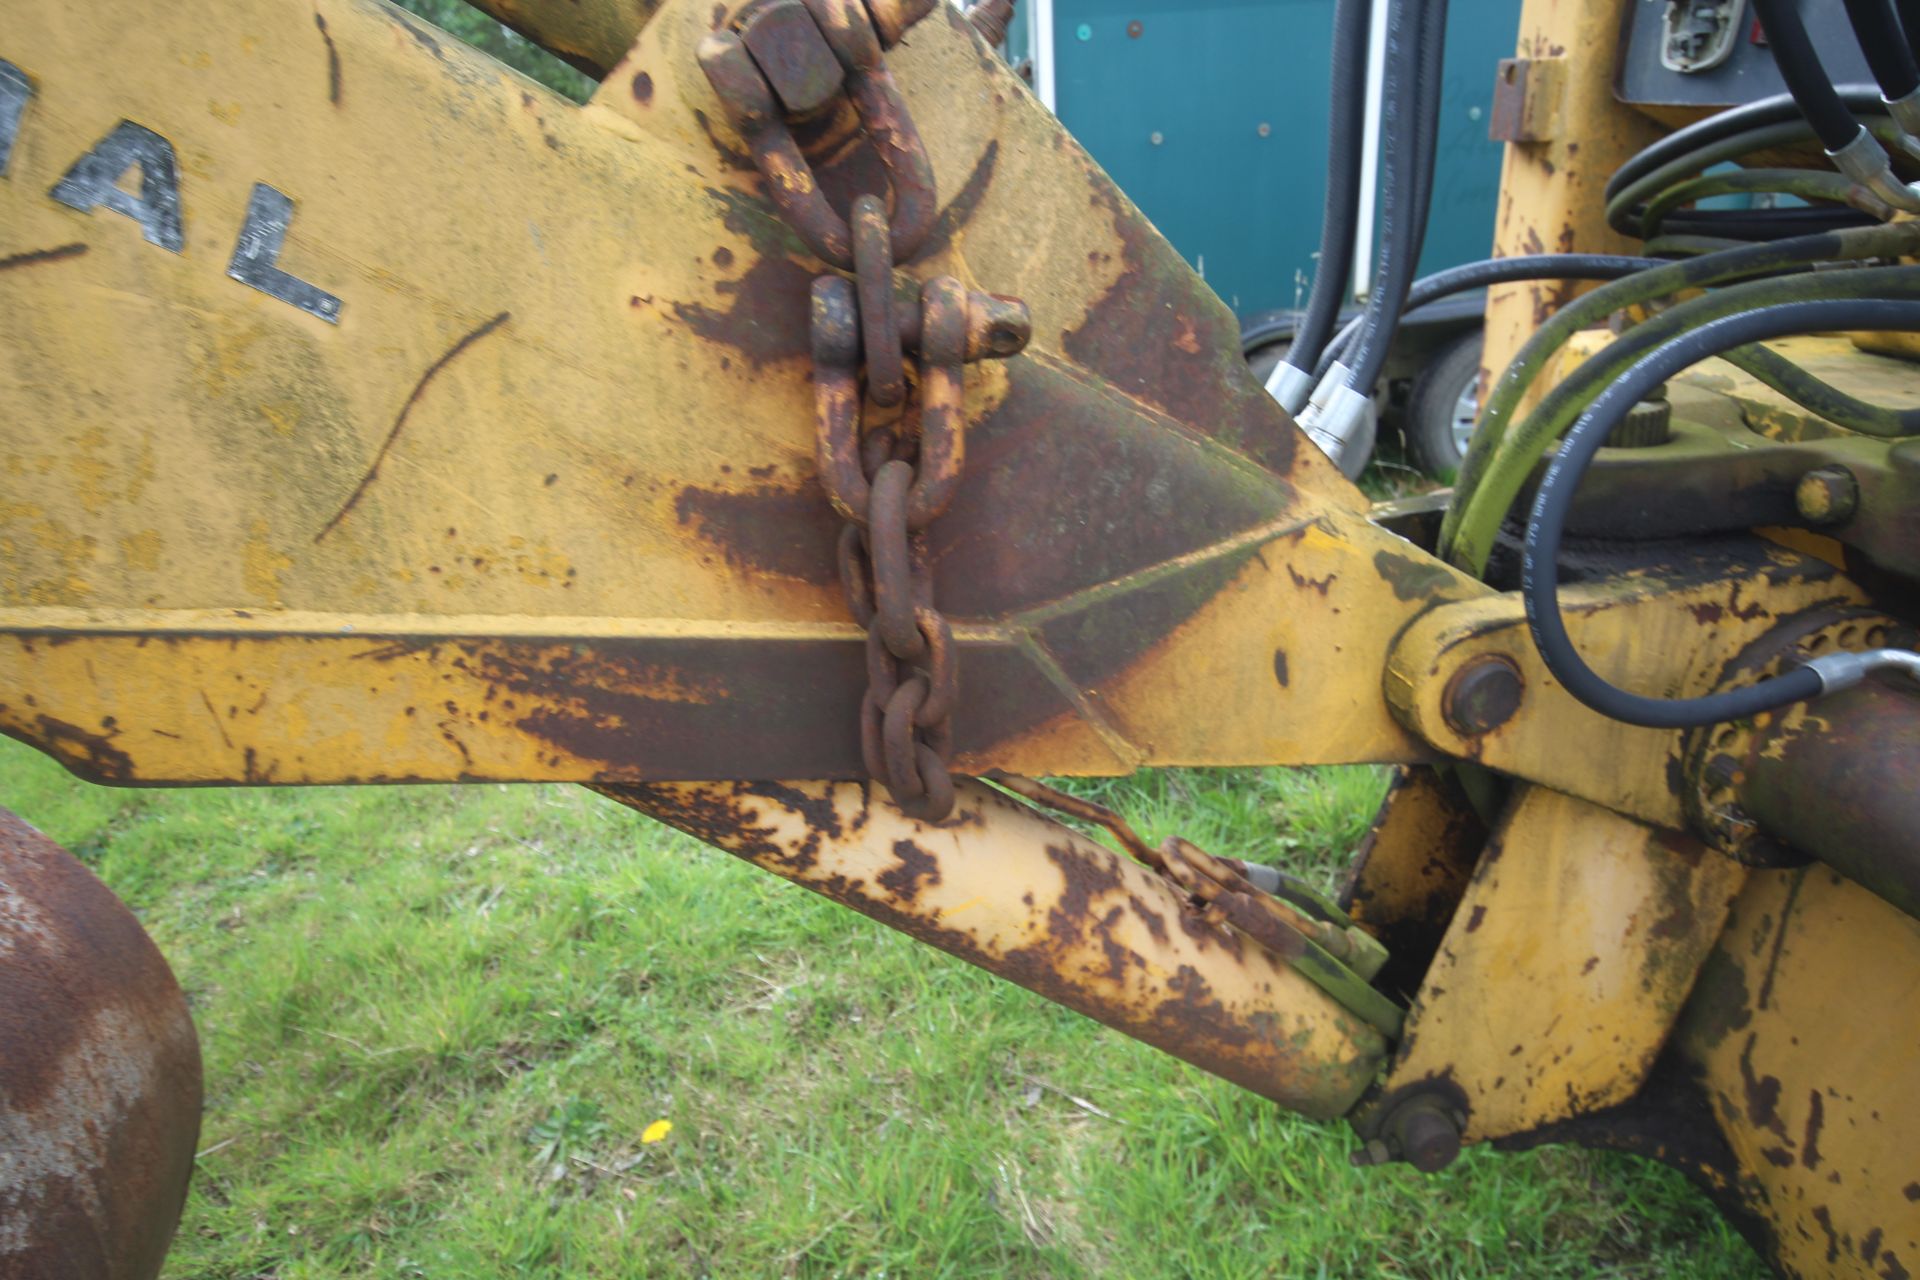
[{"x": 1007, "y": 889}]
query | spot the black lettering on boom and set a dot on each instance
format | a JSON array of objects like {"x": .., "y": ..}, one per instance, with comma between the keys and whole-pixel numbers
[
  {"x": 257, "y": 253},
  {"x": 15, "y": 89},
  {"x": 93, "y": 179}
]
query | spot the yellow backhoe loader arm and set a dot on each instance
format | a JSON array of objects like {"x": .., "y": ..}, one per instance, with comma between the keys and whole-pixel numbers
[{"x": 373, "y": 414}]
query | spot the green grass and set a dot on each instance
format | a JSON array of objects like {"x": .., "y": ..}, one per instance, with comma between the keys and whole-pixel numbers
[{"x": 437, "y": 1022}]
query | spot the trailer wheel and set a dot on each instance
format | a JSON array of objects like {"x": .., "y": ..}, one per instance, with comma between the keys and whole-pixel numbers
[{"x": 1443, "y": 407}]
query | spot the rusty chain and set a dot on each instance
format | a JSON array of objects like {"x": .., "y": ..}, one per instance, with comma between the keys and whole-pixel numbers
[{"x": 780, "y": 60}]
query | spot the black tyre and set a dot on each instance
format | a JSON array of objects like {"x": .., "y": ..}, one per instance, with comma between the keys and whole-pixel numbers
[
  {"x": 1264, "y": 360},
  {"x": 1443, "y": 406}
]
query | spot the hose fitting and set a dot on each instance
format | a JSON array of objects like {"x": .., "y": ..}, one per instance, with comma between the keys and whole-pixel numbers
[
  {"x": 1864, "y": 160},
  {"x": 1844, "y": 670},
  {"x": 1291, "y": 386},
  {"x": 1905, "y": 111},
  {"x": 1336, "y": 424}
]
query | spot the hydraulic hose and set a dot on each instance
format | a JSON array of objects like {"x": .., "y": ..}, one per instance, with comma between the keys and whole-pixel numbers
[
  {"x": 1473, "y": 518},
  {"x": 1433, "y": 50},
  {"x": 1910, "y": 25},
  {"x": 1509, "y": 470},
  {"x": 1539, "y": 578},
  {"x": 1765, "y": 224},
  {"x": 1688, "y": 246},
  {"x": 1625, "y": 215},
  {"x": 1877, "y": 28},
  {"x": 1804, "y": 184},
  {"x": 1345, "y": 125},
  {"x": 1764, "y": 111},
  {"x": 1405, "y": 196},
  {"x": 1799, "y": 64},
  {"x": 1492, "y": 271},
  {"x": 1823, "y": 398}
]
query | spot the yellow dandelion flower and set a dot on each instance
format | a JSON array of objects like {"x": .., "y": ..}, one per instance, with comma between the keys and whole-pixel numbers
[{"x": 656, "y": 1131}]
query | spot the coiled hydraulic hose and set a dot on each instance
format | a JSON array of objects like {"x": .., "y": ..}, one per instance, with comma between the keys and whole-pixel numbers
[
  {"x": 1345, "y": 124},
  {"x": 1474, "y": 516},
  {"x": 1804, "y": 184},
  {"x": 1507, "y": 474},
  {"x": 1617, "y": 394},
  {"x": 1624, "y": 199},
  {"x": 1781, "y": 107},
  {"x": 1492, "y": 271}
]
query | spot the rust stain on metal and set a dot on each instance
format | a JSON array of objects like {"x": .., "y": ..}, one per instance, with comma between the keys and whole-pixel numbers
[
  {"x": 400, "y": 419},
  {"x": 1762, "y": 1093},
  {"x": 100, "y": 1080},
  {"x": 333, "y": 59},
  {"x": 786, "y": 532},
  {"x": 1810, "y": 1142},
  {"x": 1202, "y": 383},
  {"x": 916, "y": 866},
  {"x": 766, "y": 319},
  {"x": 33, "y": 257},
  {"x": 89, "y": 754}
]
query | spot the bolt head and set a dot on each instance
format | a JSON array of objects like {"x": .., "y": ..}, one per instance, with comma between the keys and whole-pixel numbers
[
  {"x": 1827, "y": 496},
  {"x": 788, "y": 48},
  {"x": 1482, "y": 695},
  {"x": 1430, "y": 1140}
]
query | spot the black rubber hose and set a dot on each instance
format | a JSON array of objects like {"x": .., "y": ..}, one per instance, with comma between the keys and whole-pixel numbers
[
  {"x": 1877, "y": 29},
  {"x": 1823, "y": 398},
  {"x": 1910, "y": 25},
  {"x": 1415, "y": 48},
  {"x": 1807, "y": 81},
  {"x": 1346, "y": 125},
  {"x": 1863, "y": 98},
  {"x": 1766, "y": 224},
  {"x": 1433, "y": 56},
  {"x": 1539, "y": 576},
  {"x": 1492, "y": 271}
]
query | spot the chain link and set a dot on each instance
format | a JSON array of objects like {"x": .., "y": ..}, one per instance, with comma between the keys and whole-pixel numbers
[{"x": 890, "y": 482}]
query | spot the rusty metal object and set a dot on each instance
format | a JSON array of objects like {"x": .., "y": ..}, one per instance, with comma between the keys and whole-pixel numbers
[
  {"x": 1422, "y": 1129},
  {"x": 99, "y": 1075},
  {"x": 1411, "y": 870},
  {"x": 751, "y": 105},
  {"x": 1592, "y": 928},
  {"x": 889, "y": 483},
  {"x": 1005, "y": 888},
  {"x": 1789, "y": 1096},
  {"x": 892, "y": 18},
  {"x": 873, "y": 287},
  {"x": 1835, "y": 780},
  {"x": 1482, "y": 695},
  {"x": 790, "y": 51},
  {"x": 991, "y": 18},
  {"x": 1526, "y": 99}
]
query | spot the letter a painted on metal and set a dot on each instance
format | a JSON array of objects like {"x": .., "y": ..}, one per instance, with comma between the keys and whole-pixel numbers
[{"x": 93, "y": 180}]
